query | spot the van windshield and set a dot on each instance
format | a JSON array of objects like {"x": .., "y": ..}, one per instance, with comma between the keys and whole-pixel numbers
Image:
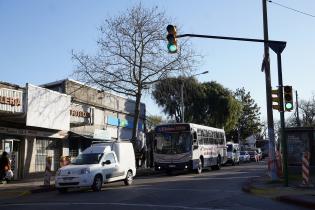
[{"x": 91, "y": 158}]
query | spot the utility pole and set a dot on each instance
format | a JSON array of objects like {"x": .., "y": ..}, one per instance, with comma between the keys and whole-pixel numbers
[
  {"x": 271, "y": 134},
  {"x": 182, "y": 94},
  {"x": 182, "y": 99},
  {"x": 298, "y": 122}
]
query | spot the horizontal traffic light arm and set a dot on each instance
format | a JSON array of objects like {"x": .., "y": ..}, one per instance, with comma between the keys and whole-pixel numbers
[{"x": 232, "y": 38}]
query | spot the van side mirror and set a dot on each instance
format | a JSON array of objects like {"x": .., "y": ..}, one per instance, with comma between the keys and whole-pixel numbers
[{"x": 107, "y": 162}]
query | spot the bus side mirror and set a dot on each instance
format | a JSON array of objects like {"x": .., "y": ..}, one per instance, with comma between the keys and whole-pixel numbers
[{"x": 195, "y": 147}]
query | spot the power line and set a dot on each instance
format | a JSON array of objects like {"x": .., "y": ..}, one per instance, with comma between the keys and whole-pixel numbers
[{"x": 295, "y": 10}]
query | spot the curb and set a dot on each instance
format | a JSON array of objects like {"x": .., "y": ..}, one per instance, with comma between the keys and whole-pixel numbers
[
  {"x": 296, "y": 201},
  {"x": 43, "y": 189}
]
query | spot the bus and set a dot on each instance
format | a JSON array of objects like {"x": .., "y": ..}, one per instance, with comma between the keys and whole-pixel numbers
[{"x": 182, "y": 146}]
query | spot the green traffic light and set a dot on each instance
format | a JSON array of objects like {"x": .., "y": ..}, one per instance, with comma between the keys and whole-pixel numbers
[
  {"x": 288, "y": 106},
  {"x": 172, "y": 48}
]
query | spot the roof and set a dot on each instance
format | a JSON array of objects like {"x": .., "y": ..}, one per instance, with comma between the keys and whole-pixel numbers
[{"x": 59, "y": 82}]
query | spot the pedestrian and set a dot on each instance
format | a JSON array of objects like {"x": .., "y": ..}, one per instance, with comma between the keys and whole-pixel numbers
[
  {"x": 256, "y": 156},
  {"x": 5, "y": 165},
  {"x": 47, "y": 172}
]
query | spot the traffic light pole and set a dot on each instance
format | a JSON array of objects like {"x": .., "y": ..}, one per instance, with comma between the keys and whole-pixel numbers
[{"x": 278, "y": 49}]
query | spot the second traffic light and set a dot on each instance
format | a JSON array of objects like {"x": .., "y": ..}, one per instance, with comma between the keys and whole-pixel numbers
[
  {"x": 275, "y": 98},
  {"x": 288, "y": 98},
  {"x": 171, "y": 38}
]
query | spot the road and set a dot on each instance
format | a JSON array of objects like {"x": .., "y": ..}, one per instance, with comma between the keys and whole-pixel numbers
[{"x": 209, "y": 190}]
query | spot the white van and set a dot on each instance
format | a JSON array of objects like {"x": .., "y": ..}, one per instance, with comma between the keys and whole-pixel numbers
[
  {"x": 98, "y": 164},
  {"x": 233, "y": 153}
]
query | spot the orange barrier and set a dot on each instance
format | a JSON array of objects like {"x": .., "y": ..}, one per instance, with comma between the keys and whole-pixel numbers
[{"x": 306, "y": 169}]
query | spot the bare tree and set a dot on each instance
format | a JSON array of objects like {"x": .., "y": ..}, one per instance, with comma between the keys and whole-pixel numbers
[
  {"x": 308, "y": 112},
  {"x": 132, "y": 55}
]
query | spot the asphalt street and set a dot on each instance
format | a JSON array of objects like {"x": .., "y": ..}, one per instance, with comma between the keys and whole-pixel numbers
[{"x": 209, "y": 190}]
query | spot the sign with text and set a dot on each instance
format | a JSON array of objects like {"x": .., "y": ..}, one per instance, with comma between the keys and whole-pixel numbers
[
  {"x": 81, "y": 114},
  {"x": 11, "y": 100}
]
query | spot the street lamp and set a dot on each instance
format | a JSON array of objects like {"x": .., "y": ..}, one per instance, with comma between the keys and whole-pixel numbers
[{"x": 182, "y": 94}]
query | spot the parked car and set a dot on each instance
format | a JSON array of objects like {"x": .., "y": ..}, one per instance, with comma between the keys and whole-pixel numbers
[
  {"x": 244, "y": 156},
  {"x": 98, "y": 164}
]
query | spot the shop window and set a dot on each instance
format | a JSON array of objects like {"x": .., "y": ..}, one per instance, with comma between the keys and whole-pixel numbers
[{"x": 42, "y": 147}]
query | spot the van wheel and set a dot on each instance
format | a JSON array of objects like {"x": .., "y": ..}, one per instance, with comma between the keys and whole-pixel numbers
[
  {"x": 97, "y": 183},
  {"x": 199, "y": 168},
  {"x": 129, "y": 178}
]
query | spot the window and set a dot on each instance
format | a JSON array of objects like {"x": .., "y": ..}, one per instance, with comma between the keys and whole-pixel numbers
[
  {"x": 41, "y": 154},
  {"x": 110, "y": 157}
]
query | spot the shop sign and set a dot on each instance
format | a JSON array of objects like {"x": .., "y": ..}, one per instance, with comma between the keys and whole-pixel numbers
[
  {"x": 11, "y": 100},
  {"x": 81, "y": 114}
]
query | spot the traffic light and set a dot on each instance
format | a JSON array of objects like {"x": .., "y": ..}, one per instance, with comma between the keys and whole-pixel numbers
[
  {"x": 275, "y": 100},
  {"x": 288, "y": 98},
  {"x": 171, "y": 38}
]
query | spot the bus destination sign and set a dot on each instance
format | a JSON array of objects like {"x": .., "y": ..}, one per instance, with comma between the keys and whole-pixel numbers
[{"x": 172, "y": 128}]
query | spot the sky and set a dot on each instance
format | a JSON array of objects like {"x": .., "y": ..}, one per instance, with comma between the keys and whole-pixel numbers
[{"x": 38, "y": 36}]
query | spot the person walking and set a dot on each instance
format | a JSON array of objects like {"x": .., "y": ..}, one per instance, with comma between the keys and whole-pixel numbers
[
  {"x": 48, "y": 172},
  {"x": 5, "y": 165}
]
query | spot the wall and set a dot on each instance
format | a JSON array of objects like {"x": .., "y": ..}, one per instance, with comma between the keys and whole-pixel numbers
[{"x": 47, "y": 108}]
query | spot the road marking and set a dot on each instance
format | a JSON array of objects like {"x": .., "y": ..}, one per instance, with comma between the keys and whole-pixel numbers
[
  {"x": 113, "y": 204},
  {"x": 187, "y": 189}
]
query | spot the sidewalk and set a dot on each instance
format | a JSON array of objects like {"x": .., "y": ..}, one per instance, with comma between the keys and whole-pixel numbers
[
  {"x": 17, "y": 188},
  {"x": 293, "y": 194}
]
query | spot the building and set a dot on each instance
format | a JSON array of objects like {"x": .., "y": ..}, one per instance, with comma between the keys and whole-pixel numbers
[
  {"x": 96, "y": 114},
  {"x": 59, "y": 119}
]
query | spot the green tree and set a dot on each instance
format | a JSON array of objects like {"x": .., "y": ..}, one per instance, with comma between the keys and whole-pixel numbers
[
  {"x": 153, "y": 121},
  {"x": 167, "y": 94},
  {"x": 249, "y": 122},
  {"x": 132, "y": 55},
  {"x": 217, "y": 107},
  {"x": 207, "y": 103}
]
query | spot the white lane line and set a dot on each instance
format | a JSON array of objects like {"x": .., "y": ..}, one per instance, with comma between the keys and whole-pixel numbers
[
  {"x": 217, "y": 178},
  {"x": 187, "y": 189},
  {"x": 113, "y": 204}
]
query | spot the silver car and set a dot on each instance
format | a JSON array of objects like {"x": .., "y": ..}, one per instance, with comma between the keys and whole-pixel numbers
[{"x": 244, "y": 156}]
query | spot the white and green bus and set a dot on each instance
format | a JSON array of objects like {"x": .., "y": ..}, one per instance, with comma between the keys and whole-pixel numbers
[{"x": 189, "y": 146}]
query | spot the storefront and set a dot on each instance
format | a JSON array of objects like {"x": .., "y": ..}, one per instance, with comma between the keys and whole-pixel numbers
[{"x": 30, "y": 135}]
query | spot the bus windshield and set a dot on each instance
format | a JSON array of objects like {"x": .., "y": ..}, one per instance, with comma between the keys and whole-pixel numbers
[{"x": 173, "y": 143}]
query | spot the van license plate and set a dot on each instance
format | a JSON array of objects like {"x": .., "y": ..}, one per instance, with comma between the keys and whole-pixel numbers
[{"x": 171, "y": 166}]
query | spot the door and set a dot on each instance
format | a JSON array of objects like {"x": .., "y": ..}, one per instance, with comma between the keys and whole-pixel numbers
[{"x": 110, "y": 167}]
